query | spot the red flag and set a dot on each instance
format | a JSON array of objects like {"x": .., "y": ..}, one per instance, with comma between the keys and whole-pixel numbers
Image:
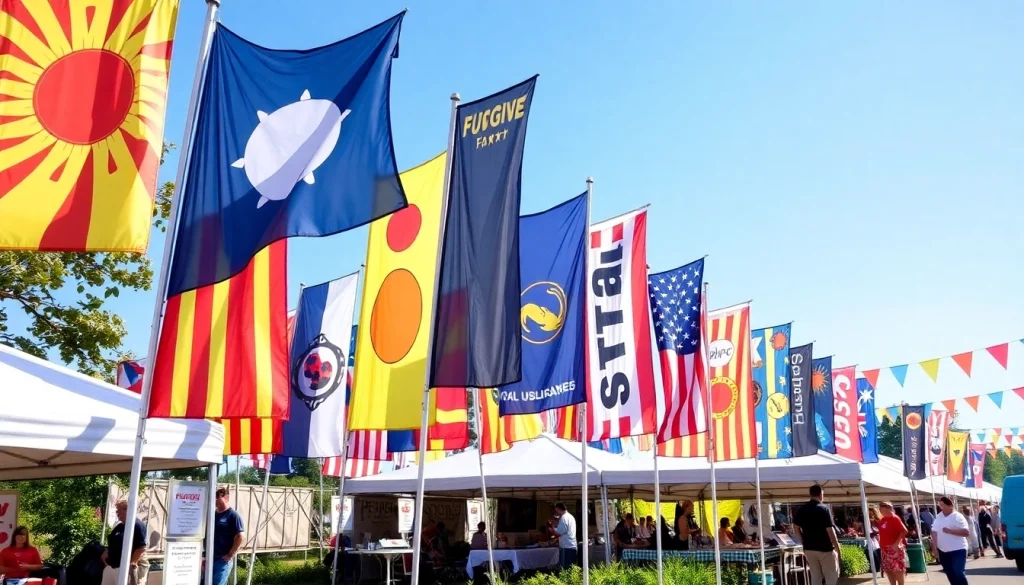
[
  {"x": 692, "y": 446},
  {"x": 371, "y": 445},
  {"x": 844, "y": 400},
  {"x": 950, "y": 405},
  {"x": 567, "y": 423},
  {"x": 964, "y": 360},
  {"x": 972, "y": 401},
  {"x": 872, "y": 377}
]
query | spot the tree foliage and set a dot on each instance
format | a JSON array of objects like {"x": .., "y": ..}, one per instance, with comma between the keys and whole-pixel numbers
[
  {"x": 890, "y": 441},
  {"x": 61, "y": 513}
]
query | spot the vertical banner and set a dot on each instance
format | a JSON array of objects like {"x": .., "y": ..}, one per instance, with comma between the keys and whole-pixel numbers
[
  {"x": 914, "y": 466},
  {"x": 958, "y": 459},
  {"x": 552, "y": 266},
  {"x": 620, "y": 367},
  {"x": 477, "y": 335},
  {"x": 846, "y": 434},
  {"x": 824, "y": 407},
  {"x": 976, "y": 467},
  {"x": 936, "y": 427},
  {"x": 805, "y": 437},
  {"x": 772, "y": 382},
  {"x": 732, "y": 400},
  {"x": 867, "y": 421}
]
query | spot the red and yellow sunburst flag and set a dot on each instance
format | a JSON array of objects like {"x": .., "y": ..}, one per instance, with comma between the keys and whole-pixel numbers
[
  {"x": 83, "y": 87},
  {"x": 498, "y": 433},
  {"x": 732, "y": 396},
  {"x": 252, "y": 436}
]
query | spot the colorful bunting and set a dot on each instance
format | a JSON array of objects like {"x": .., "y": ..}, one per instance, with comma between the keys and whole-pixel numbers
[
  {"x": 893, "y": 412},
  {"x": 972, "y": 401},
  {"x": 930, "y": 367},
  {"x": 964, "y": 360},
  {"x": 872, "y": 377},
  {"x": 1000, "y": 353},
  {"x": 996, "y": 397},
  {"x": 1019, "y": 392},
  {"x": 949, "y": 404},
  {"x": 900, "y": 373}
]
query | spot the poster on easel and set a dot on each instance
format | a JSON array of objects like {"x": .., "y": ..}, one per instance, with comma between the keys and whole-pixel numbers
[
  {"x": 183, "y": 562},
  {"x": 186, "y": 509},
  {"x": 8, "y": 516}
]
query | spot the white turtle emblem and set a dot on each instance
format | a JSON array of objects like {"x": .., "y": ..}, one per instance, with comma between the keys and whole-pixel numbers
[{"x": 289, "y": 144}]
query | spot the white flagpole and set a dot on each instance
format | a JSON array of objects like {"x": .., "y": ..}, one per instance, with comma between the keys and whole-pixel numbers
[
  {"x": 657, "y": 515},
  {"x": 492, "y": 571},
  {"x": 760, "y": 529},
  {"x": 582, "y": 426},
  {"x": 256, "y": 529},
  {"x": 211, "y": 519},
  {"x": 238, "y": 473},
  {"x": 935, "y": 505},
  {"x": 607, "y": 528},
  {"x": 867, "y": 532},
  {"x": 320, "y": 522},
  {"x": 417, "y": 526},
  {"x": 339, "y": 542},
  {"x": 161, "y": 285},
  {"x": 711, "y": 447}
]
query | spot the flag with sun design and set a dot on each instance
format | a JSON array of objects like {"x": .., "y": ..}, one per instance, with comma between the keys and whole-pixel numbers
[
  {"x": 770, "y": 363},
  {"x": 83, "y": 86},
  {"x": 824, "y": 407}
]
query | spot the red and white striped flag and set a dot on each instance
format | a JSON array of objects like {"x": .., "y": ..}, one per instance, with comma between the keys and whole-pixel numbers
[
  {"x": 353, "y": 467},
  {"x": 370, "y": 445},
  {"x": 260, "y": 461}
]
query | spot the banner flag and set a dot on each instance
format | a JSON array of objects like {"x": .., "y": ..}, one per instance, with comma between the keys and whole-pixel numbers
[
  {"x": 320, "y": 162},
  {"x": 805, "y": 434},
  {"x": 322, "y": 338},
  {"x": 977, "y": 467},
  {"x": 82, "y": 105},
  {"x": 846, "y": 426},
  {"x": 130, "y": 373},
  {"x": 676, "y": 301},
  {"x": 964, "y": 360},
  {"x": 449, "y": 431},
  {"x": 824, "y": 404},
  {"x": 770, "y": 351},
  {"x": 498, "y": 433},
  {"x": 567, "y": 423},
  {"x": 937, "y": 426},
  {"x": 552, "y": 266},
  {"x": 401, "y": 264},
  {"x": 247, "y": 436},
  {"x": 957, "y": 455},
  {"x": 866, "y": 421},
  {"x": 931, "y": 367},
  {"x": 914, "y": 466},
  {"x": 1000, "y": 353},
  {"x": 692, "y": 446},
  {"x": 732, "y": 400},
  {"x": 477, "y": 331},
  {"x": 620, "y": 367},
  {"x": 644, "y": 442},
  {"x": 223, "y": 350},
  {"x": 353, "y": 467}
]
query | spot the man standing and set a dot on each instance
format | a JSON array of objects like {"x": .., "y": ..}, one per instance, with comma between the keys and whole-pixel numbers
[
  {"x": 566, "y": 531},
  {"x": 228, "y": 537},
  {"x": 816, "y": 528},
  {"x": 949, "y": 541},
  {"x": 926, "y": 522},
  {"x": 997, "y": 525},
  {"x": 138, "y": 566},
  {"x": 987, "y": 533}
]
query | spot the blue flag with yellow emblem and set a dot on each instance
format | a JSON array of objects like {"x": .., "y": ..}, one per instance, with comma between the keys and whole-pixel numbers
[
  {"x": 867, "y": 422},
  {"x": 552, "y": 268},
  {"x": 824, "y": 405},
  {"x": 770, "y": 361},
  {"x": 287, "y": 143}
]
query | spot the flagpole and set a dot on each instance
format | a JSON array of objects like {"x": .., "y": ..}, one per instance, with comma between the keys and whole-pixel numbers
[
  {"x": 256, "y": 528},
  {"x": 711, "y": 449},
  {"x": 607, "y": 528},
  {"x": 760, "y": 531},
  {"x": 417, "y": 526},
  {"x": 320, "y": 523},
  {"x": 161, "y": 286},
  {"x": 582, "y": 425},
  {"x": 339, "y": 541},
  {"x": 657, "y": 516},
  {"x": 238, "y": 473},
  {"x": 867, "y": 531},
  {"x": 492, "y": 571},
  {"x": 211, "y": 519}
]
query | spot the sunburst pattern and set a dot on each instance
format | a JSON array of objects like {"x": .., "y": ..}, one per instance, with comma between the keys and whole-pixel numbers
[{"x": 83, "y": 86}]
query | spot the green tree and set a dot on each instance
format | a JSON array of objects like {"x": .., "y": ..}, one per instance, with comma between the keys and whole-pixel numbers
[
  {"x": 890, "y": 441},
  {"x": 996, "y": 467},
  {"x": 1016, "y": 464},
  {"x": 61, "y": 513}
]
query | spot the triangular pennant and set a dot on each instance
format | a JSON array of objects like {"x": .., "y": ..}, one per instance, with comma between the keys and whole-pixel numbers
[
  {"x": 996, "y": 397},
  {"x": 900, "y": 373},
  {"x": 872, "y": 377},
  {"x": 1008, "y": 450},
  {"x": 928, "y": 409},
  {"x": 972, "y": 401},
  {"x": 931, "y": 367},
  {"x": 993, "y": 452},
  {"x": 893, "y": 412},
  {"x": 1000, "y": 352},
  {"x": 880, "y": 415},
  {"x": 964, "y": 360},
  {"x": 950, "y": 405},
  {"x": 1019, "y": 392}
]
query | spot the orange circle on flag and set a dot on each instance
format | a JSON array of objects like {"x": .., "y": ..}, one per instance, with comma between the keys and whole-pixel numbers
[
  {"x": 84, "y": 74},
  {"x": 395, "y": 318},
  {"x": 913, "y": 421},
  {"x": 724, "y": 395}
]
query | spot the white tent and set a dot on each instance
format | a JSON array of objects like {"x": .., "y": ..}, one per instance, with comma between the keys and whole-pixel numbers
[
  {"x": 58, "y": 423},
  {"x": 942, "y": 485}
]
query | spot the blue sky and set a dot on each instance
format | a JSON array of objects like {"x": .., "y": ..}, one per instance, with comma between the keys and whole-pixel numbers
[{"x": 853, "y": 168}]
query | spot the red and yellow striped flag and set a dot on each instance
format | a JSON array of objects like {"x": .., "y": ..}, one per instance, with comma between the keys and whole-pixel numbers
[
  {"x": 450, "y": 429},
  {"x": 567, "y": 425},
  {"x": 252, "y": 436},
  {"x": 498, "y": 433},
  {"x": 644, "y": 443},
  {"x": 732, "y": 397},
  {"x": 83, "y": 87},
  {"x": 223, "y": 349},
  {"x": 689, "y": 446}
]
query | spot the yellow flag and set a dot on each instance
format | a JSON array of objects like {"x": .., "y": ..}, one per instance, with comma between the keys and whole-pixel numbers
[
  {"x": 931, "y": 367},
  {"x": 958, "y": 455},
  {"x": 394, "y": 320}
]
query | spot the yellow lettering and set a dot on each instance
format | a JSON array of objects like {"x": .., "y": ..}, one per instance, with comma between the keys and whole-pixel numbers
[
  {"x": 520, "y": 107},
  {"x": 466, "y": 124},
  {"x": 496, "y": 117},
  {"x": 476, "y": 124},
  {"x": 508, "y": 110}
]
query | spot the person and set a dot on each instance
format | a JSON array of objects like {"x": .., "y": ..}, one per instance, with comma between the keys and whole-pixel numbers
[
  {"x": 949, "y": 541},
  {"x": 725, "y": 535},
  {"x": 20, "y": 559},
  {"x": 817, "y": 530},
  {"x": 228, "y": 537},
  {"x": 874, "y": 518},
  {"x": 479, "y": 541},
  {"x": 138, "y": 566},
  {"x": 624, "y": 535},
  {"x": 987, "y": 537},
  {"x": 686, "y": 524},
  {"x": 926, "y": 521},
  {"x": 641, "y": 529},
  {"x": 566, "y": 531},
  {"x": 891, "y": 532},
  {"x": 972, "y": 532},
  {"x": 997, "y": 525},
  {"x": 739, "y": 532}
]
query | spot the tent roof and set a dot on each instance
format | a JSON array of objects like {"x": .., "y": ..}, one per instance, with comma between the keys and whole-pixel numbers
[
  {"x": 943, "y": 485},
  {"x": 59, "y": 423}
]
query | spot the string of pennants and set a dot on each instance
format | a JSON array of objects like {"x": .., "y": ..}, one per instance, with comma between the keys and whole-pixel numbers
[
  {"x": 891, "y": 413},
  {"x": 999, "y": 352}
]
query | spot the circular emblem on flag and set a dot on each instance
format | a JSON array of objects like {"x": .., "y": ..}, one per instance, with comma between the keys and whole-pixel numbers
[
  {"x": 756, "y": 387},
  {"x": 913, "y": 421},
  {"x": 543, "y": 312},
  {"x": 724, "y": 396},
  {"x": 778, "y": 405},
  {"x": 317, "y": 373}
]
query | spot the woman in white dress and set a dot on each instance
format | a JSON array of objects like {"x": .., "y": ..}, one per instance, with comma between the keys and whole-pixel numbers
[{"x": 972, "y": 526}]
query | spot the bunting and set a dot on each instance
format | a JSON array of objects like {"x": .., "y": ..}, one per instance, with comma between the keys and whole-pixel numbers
[
  {"x": 997, "y": 398},
  {"x": 900, "y": 373},
  {"x": 1000, "y": 353},
  {"x": 931, "y": 367},
  {"x": 965, "y": 361}
]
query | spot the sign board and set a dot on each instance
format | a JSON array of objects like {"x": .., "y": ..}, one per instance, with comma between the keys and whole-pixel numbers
[
  {"x": 406, "y": 513},
  {"x": 8, "y": 516},
  {"x": 474, "y": 514},
  {"x": 183, "y": 562},
  {"x": 380, "y": 516},
  {"x": 186, "y": 509},
  {"x": 343, "y": 512}
]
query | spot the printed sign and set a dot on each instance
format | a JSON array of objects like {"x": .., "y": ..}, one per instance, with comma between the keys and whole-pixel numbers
[
  {"x": 406, "y": 507},
  {"x": 342, "y": 512},
  {"x": 474, "y": 514},
  {"x": 183, "y": 562},
  {"x": 186, "y": 509}
]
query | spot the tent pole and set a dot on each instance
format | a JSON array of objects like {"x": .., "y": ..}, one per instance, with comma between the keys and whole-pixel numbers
[
  {"x": 106, "y": 512},
  {"x": 711, "y": 443},
  {"x": 657, "y": 518},
  {"x": 238, "y": 473},
  {"x": 586, "y": 479},
  {"x": 492, "y": 571},
  {"x": 935, "y": 505},
  {"x": 604, "y": 520},
  {"x": 256, "y": 531},
  {"x": 211, "y": 512},
  {"x": 760, "y": 532},
  {"x": 867, "y": 533}
]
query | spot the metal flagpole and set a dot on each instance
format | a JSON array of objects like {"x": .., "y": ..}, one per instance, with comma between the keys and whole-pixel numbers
[
  {"x": 320, "y": 523},
  {"x": 935, "y": 505},
  {"x": 106, "y": 512},
  {"x": 581, "y": 424},
  {"x": 493, "y": 571},
  {"x": 211, "y": 512},
  {"x": 711, "y": 449},
  {"x": 417, "y": 526},
  {"x": 161, "y": 285},
  {"x": 760, "y": 530},
  {"x": 339, "y": 541},
  {"x": 604, "y": 521},
  {"x": 657, "y": 517},
  {"x": 238, "y": 473},
  {"x": 256, "y": 529},
  {"x": 913, "y": 508},
  {"x": 867, "y": 533}
]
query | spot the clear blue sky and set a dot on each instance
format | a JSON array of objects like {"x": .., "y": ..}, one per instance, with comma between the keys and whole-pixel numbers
[{"x": 855, "y": 168}]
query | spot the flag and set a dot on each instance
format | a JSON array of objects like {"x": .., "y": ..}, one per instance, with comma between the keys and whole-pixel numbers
[
  {"x": 770, "y": 370},
  {"x": 129, "y": 374},
  {"x": 567, "y": 423},
  {"x": 332, "y": 467},
  {"x": 974, "y": 473},
  {"x": 552, "y": 266},
  {"x": 805, "y": 435},
  {"x": 260, "y": 461},
  {"x": 82, "y": 105},
  {"x": 914, "y": 443},
  {"x": 692, "y": 446},
  {"x": 223, "y": 349},
  {"x": 320, "y": 358},
  {"x": 867, "y": 422},
  {"x": 957, "y": 449},
  {"x": 620, "y": 367},
  {"x": 676, "y": 300},
  {"x": 936, "y": 427},
  {"x": 246, "y": 436},
  {"x": 644, "y": 443},
  {"x": 320, "y": 162},
  {"x": 613, "y": 446},
  {"x": 498, "y": 433},
  {"x": 732, "y": 400},
  {"x": 824, "y": 409},
  {"x": 448, "y": 432},
  {"x": 398, "y": 285},
  {"x": 368, "y": 445},
  {"x": 477, "y": 333},
  {"x": 846, "y": 428}
]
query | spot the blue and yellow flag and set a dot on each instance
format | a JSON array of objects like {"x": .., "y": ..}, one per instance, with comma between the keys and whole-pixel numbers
[
  {"x": 824, "y": 405},
  {"x": 770, "y": 361}
]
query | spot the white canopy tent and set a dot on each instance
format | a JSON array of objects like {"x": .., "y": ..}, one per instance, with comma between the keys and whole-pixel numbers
[
  {"x": 942, "y": 485},
  {"x": 59, "y": 423}
]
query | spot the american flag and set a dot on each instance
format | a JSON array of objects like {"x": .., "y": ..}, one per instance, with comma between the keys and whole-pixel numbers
[
  {"x": 676, "y": 307},
  {"x": 260, "y": 461},
  {"x": 353, "y": 467},
  {"x": 372, "y": 445}
]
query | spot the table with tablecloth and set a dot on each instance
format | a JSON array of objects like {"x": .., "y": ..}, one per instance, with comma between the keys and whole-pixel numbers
[
  {"x": 854, "y": 540},
  {"x": 729, "y": 555},
  {"x": 521, "y": 558}
]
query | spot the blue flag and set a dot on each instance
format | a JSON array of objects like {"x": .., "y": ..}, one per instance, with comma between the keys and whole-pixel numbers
[
  {"x": 280, "y": 465},
  {"x": 824, "y": 408},
  {"x": 613, "y": 446},
  {"x": 867, "y": 421},
  {"x": 805, "y": 436},
  {"x": 552, "y": 267},
  {"x": 287, "y": 143},
  {"x": 771, "y": 374},
  {"x": 477, "y": 331}
]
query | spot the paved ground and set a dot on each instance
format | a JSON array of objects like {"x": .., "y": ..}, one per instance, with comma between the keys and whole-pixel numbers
[{"x": 986, "y": 571}]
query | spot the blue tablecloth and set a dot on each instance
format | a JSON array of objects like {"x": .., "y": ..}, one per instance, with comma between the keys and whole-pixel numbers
[{"x": 729, "y": 555}]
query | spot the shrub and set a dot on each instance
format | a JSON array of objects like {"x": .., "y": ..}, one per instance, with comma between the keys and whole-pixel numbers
[
  {"x": 272, "y": 571},
  {"x": 675, "y": 571},
  {"x": 855, "y": 562}
]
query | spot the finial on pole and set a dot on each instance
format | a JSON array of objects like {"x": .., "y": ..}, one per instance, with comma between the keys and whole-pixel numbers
[
  {"x": 590, "y": 180},
  {"x": 455, "y": 97}
]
